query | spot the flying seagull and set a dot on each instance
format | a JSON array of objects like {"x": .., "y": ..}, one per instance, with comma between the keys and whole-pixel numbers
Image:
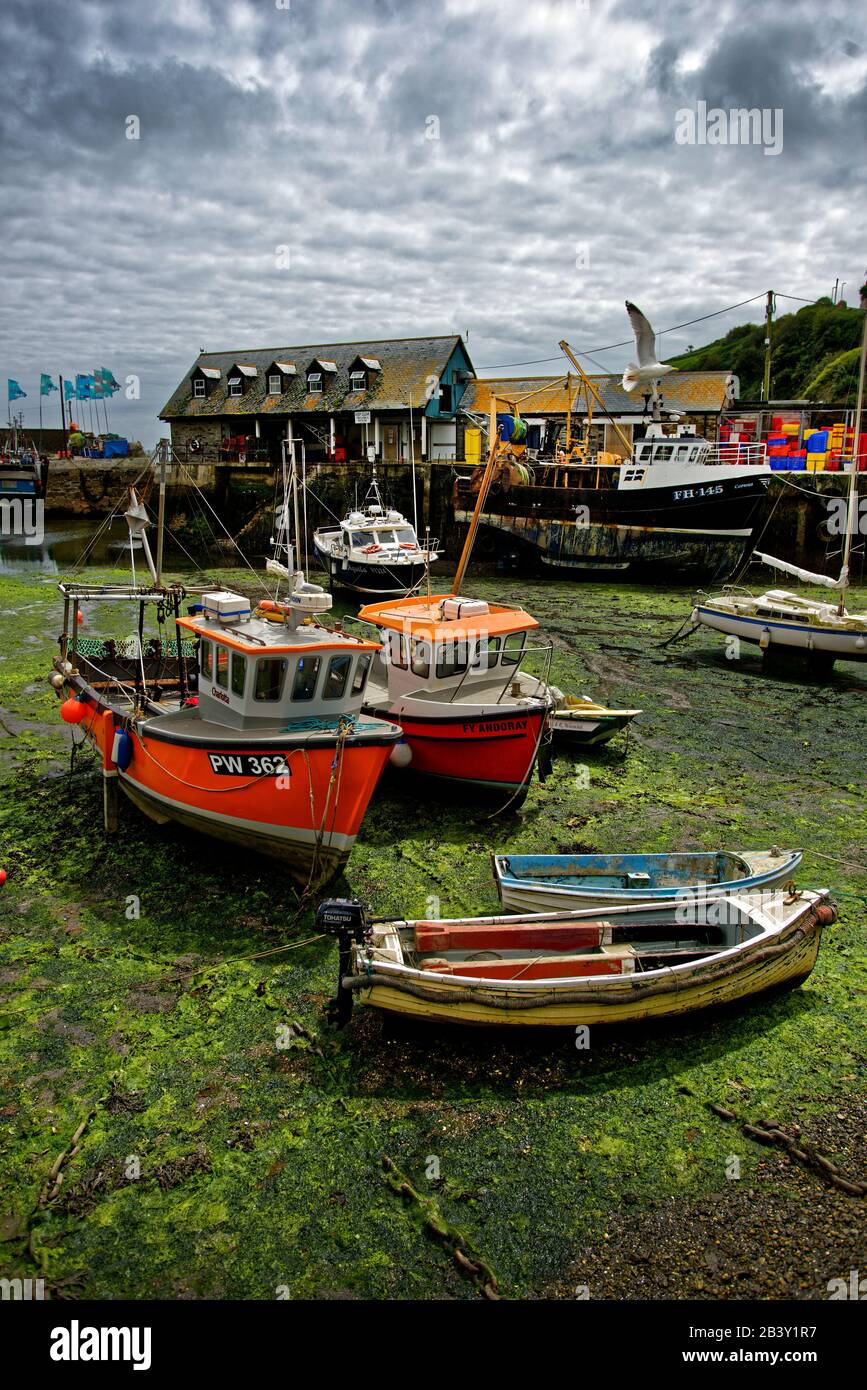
[{"x": 647, "y": 370}]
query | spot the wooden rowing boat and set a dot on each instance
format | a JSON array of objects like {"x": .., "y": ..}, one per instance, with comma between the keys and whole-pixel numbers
[
  {"x": 534, "y": 882},
  {"x": 648, "y": 961},
  {"x": 583, "y": 723}
]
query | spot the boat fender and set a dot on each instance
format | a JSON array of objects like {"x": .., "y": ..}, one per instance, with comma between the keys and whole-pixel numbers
[
  {"x": 72, "y": 711},
  {"x": 765, "y": 638},
  {"x": 56, "y": 680},
  {"x": 401, "y": 754},
  {"x": 122, "y": 749},
  {"x": 825, "y": 914}
]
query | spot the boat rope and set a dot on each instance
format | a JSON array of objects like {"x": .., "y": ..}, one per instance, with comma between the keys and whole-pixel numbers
[
  {"x": 769, "y": 1132},
  {"x": 683, "y": 631},
  {"x": 214, "y": 791},
  {"x": 845, "y": 863},
  {"x": 469, "y": 1262},
  {"x": 251, "y": 955}
]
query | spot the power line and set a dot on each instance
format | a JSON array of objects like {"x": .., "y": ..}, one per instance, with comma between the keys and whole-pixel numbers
[{"x": 627, "y": 342}]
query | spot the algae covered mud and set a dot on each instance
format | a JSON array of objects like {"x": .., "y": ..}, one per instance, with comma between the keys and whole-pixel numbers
[{"x": 179, "y": 1119}]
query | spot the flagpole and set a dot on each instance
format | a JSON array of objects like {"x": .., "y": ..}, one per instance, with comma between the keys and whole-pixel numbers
[{"x": 63, "y": 417}]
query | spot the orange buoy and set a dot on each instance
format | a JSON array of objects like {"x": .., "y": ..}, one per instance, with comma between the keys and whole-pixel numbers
[
  {"x": 2, "y": 877},
  {"x": 79, "y": 617},
  {"x": 73, "y": 711}
]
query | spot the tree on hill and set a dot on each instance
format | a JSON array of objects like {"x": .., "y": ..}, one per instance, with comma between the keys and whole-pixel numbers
[{"x": 809, "y": 354}]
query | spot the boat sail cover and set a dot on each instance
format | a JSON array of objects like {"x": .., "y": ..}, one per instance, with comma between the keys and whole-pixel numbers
[{"x": 807, "y": 575}]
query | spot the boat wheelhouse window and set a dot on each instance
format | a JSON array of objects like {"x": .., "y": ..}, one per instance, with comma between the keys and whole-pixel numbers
[
  {"x": 356, "y": 538},
  {"x": 643, "y": 452},
  {"x": 199, "y": 386},
  {"x": 205, "y": 659},
  {"x": 334, "y": 685},
  {"x": 663, "y": 453},
  {"x": 357, "y": 381},
  {"x": 397, "y": 653},
  {"x": 314, "y": 383},
  {"x": 452, "y": 658},
  {"x": 221, "y": 672},
  {"x": 234, "y": 386},
  {"x": 421, "y": 650},
  {"x": 405, "y": 535},
  {"x": 487, "y": 654},
  {"x": 239, "y": 673},
  {"x": 275, "y": 384},
  {"x": 270, "y": 671},
  {"x": 361, "y": 670},
  {"x": 512, "y": 648},
  {"x": 693, "y": 454},
  {"x": 306, "y": 676},
  {"x": 683, "y": 452}
]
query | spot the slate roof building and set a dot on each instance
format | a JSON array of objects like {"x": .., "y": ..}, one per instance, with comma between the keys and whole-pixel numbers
[{"x": 338, "y": 398}]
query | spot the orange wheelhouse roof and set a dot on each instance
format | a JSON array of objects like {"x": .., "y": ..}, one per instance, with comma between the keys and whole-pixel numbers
[
  {"x": 423, "y": 617},
  {"x": 270, "y": 639}
]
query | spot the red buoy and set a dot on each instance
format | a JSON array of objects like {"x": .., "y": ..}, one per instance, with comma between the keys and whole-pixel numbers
[
  {"x": 2, "y": 877},
  {"x": 79, "y": 617},
  {"x": 73, "y": 711}
]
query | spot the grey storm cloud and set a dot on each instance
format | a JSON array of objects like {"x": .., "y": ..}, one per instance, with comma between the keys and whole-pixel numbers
[{"x": 307, "y": 126}]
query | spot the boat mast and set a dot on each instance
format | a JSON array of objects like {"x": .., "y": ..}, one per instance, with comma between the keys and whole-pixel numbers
[
  {"x": 852, "y": 506},
  {"x": 161, "y": 513},
  {"x": 493, "y": 439},
  {"x": 591, "y": 389}
]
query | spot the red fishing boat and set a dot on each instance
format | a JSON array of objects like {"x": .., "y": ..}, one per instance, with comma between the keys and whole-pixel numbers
[
  {"x": 246, "y": 725},
  {"x": 450, "y": 675}
]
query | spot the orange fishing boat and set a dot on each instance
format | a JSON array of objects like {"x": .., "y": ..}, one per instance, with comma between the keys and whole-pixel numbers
[
  {"x": 246, "y": 725},
  {"x": 450, "y": 675}
]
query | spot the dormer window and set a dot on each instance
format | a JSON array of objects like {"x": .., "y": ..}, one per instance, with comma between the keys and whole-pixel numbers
[
  {"x": 199, "y": 391},
  {"x": 358, "y": 381},
  {"x": 235, "y": 388},
  {"x": 314, "y": 383},
  {"x": 275, "y": 384},
  {"x": 202, "y": 381}
]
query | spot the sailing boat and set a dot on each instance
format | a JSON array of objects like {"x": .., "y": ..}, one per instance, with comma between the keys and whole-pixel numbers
[
  {"x": 780, "y": 621},
  {"x": 244, "y": 725}
]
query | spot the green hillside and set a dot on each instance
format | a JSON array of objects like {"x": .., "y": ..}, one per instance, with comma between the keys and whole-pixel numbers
[{"x": 814, "y": 353}]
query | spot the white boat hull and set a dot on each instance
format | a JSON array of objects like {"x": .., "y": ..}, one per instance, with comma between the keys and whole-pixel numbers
[{"x": 847, "y": 645}]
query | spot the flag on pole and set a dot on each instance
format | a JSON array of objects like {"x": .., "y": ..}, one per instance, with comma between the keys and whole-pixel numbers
[
  {"x": 46, "y": 385},
  {"x": 83, "y": 387},
  {"x": 13, "y": 390},
  {"x": 69, "y": 391},
  {"x": 105, "y": 378}
]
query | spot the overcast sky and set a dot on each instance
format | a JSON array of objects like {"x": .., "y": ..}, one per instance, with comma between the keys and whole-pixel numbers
[{"x": 305, "y": 125}]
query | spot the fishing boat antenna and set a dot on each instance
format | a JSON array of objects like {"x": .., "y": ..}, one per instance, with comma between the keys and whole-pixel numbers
[
  {"x": 162, "y": 459},
  {"x": 852, "y": 509}
]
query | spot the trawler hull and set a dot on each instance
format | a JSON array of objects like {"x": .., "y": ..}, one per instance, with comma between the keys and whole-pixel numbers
[{"x": 696, "y": 528}]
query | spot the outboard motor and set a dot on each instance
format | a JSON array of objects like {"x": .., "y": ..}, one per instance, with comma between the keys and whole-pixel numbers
[{"x": 343, "y": 918}]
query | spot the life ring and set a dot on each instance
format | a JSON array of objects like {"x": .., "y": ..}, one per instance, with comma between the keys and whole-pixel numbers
[
  {"x": 195, "y": 446},
  {"x": 242, "y": 458},
  {"x": 407, "y": 545},
  {"x": 371, "y": 549}
]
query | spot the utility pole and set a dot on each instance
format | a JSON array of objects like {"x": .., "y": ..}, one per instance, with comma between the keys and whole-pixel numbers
[
  {"x": 63, "y": 417},
  {"x": 769, "y": 319}
]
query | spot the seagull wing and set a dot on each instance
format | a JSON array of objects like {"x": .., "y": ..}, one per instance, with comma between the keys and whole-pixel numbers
[{"x": 645, "y": 338}]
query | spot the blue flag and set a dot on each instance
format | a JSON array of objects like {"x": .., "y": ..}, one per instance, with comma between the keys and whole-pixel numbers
[
  {"x": 46, "y": 385},
  {"x": 84, "y": 387},
  {"x": 68, "y": 391},
  {"x": 14, "y": 391},
  {"x": 105, "y": 382}
]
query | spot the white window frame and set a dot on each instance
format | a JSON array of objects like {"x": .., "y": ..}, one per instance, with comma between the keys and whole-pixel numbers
[
  {"x": 355, "y": 377},
  {"x": 199, "y": 388},
  {"x": 314, "y": 390},
  {"x": 236, "y": 387},
  {"x": 278, "y": 389}
]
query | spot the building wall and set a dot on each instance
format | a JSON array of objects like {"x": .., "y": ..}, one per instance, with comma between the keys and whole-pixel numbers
[
  {"x": 208, "y": 431},
  {"x": 458, "y": 361}
]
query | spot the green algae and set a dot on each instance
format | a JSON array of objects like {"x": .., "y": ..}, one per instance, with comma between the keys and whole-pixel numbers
[{"x": 234, "y": 1141}]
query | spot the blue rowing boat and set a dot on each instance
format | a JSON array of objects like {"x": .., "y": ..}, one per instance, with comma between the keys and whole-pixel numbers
[{"x": 536, "y": 882}]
